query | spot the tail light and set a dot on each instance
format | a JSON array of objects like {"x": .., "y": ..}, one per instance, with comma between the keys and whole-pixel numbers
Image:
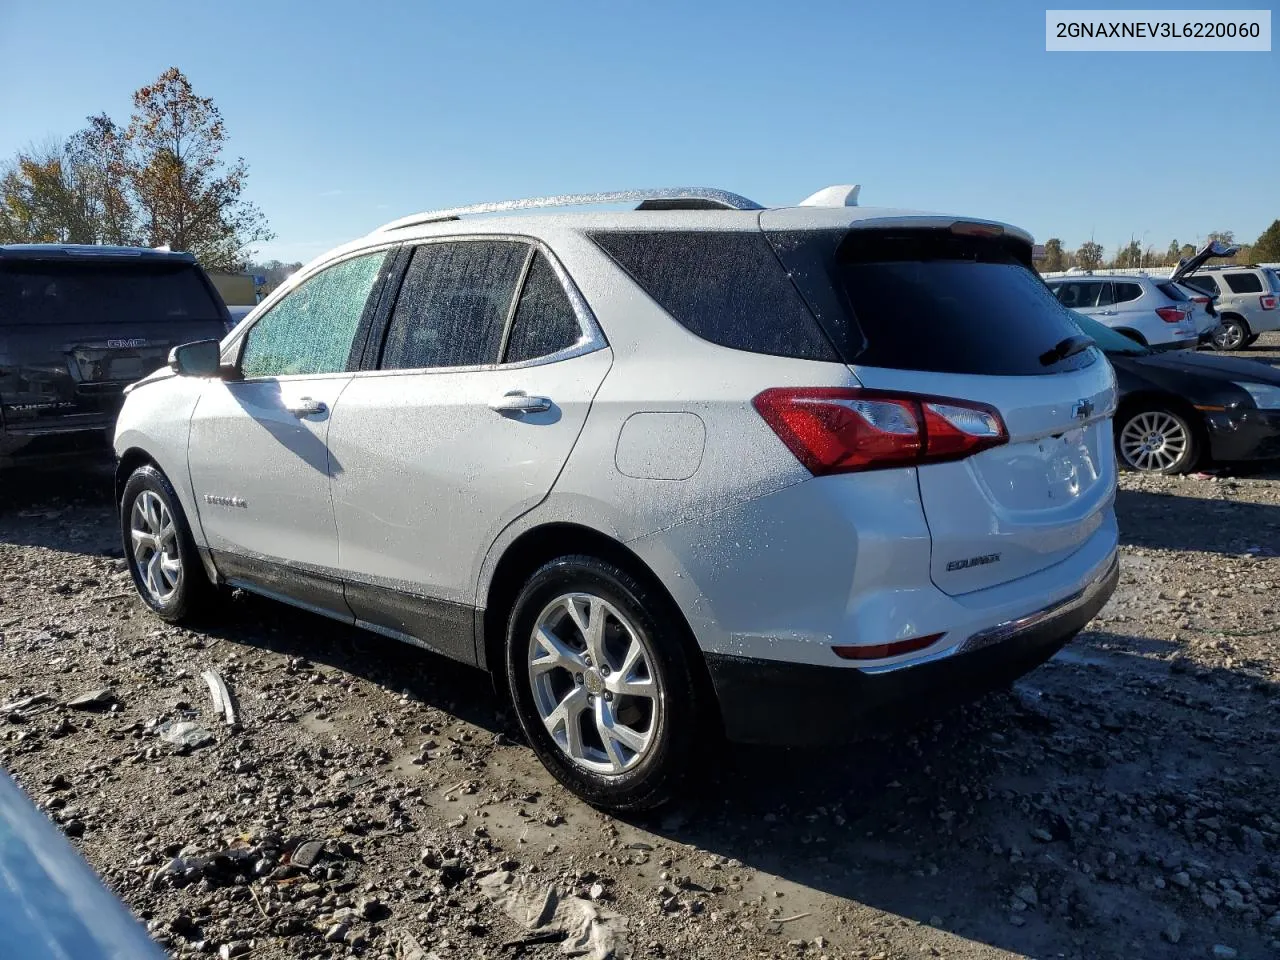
[
  {"x": 1171, "y": 314},
  {"x": 1200, "y": 300},
  {"x": 1268, "y": 303},
  {"x": 843, "y": 430}
]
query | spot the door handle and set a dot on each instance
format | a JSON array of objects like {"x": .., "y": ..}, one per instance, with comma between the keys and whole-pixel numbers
[
  {"x": 306, "y": 407},
  {"x": 1106, "y": 313},
  {"x": 517, "y": 401}
]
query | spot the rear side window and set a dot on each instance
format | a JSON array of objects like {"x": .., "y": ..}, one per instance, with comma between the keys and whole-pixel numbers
[
  {"x": 724, "y": 286},
  {"x": 544, "y": 321},
  {"x": 453, "y": 304},
  {"x": 1172, "y": 291},
  {"x": 1126, "y": 292},
  {"x": 1106, "y": 294},
  {"x": 1243, "y": 282},
  {"x": 1206, "y": 284},
  {"x": 54, "y": 292},
  {"x": 935, "y": 301}
]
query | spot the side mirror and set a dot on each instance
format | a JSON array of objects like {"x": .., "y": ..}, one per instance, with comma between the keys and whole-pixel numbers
[{"x": 198, "y": 359}]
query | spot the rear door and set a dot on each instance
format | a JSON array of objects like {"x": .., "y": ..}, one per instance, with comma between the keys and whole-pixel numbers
[
  {"x": 484, "y": 383},
  {"x": 73, "y": 333},
  {"x": 967, "y": 318}
]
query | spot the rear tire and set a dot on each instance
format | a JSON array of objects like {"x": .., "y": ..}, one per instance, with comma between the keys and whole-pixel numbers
[
  {"x": 1232, "y": 334},
  {"x": 1156, "y": 439},
  {"x": 603, "y": 684},
  {"x": 162, "y": 557}
]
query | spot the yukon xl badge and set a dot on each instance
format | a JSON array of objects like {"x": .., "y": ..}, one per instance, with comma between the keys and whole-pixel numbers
[
  {"x": 981, "y": 561},
  {"x": 126, "y": 344}
]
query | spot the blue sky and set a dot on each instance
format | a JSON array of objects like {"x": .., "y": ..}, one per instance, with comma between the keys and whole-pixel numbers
[{"x": 351, "y": 114}]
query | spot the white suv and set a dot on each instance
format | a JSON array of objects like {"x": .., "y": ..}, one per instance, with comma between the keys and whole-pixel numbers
[{"x": 691, "y": 468}]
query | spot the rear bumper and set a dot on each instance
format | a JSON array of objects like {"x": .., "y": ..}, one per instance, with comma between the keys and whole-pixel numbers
[
  {"x": 770, "y": 701},
  {"x": 1243, "y": 434}
]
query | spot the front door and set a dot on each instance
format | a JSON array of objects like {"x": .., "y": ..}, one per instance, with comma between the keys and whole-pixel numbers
[{"x": 259, "y": 454}]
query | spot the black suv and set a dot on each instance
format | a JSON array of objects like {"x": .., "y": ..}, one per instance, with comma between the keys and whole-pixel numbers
[{"x": 78, "y": 323}]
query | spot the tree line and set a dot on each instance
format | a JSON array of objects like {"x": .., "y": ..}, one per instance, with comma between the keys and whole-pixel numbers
[
  {"x": 158, "y": 180},
  {"x": 1089, "y": 256}
]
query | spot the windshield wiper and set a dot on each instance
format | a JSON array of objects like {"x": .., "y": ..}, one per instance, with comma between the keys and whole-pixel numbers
[{"x": 1066, "y": 348}]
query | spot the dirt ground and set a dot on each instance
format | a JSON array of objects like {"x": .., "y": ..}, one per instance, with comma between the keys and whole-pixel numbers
[{"x": 1120, "y": 802}]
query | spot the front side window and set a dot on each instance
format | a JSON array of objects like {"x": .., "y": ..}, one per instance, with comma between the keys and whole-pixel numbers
[
  {"x": 453, "y": 304},
  {"x": 311, "y": 329},
  {"x": 544, "y": 322},
  {"x": 1243, "y": 282}
]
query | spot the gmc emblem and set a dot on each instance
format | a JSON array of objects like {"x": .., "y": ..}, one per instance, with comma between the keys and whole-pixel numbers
[{"x": 126, "y": 344}]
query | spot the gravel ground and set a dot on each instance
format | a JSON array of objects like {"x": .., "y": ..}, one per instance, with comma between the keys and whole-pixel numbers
[{"x": 374, "y": 800}]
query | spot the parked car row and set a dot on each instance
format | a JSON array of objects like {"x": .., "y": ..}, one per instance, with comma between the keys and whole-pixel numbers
[{"x": 1226, "y": 306}]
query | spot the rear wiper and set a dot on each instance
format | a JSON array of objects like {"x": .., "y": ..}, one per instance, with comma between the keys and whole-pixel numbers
[{"x": 1066, "y": 348}]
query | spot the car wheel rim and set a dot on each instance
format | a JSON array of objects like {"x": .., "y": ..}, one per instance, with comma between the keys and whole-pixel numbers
[
  {"x": 594, "y": 684},
  {"x": 1229, "y": 336},
  {"x": 155, "y": 547},
  {"x": 1154, "y": 440}
]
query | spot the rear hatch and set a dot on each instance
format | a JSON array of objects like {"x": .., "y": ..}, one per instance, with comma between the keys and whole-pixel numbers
[
  {"x": 960, "y": 314},
  {"x": 74, "y": 332}
]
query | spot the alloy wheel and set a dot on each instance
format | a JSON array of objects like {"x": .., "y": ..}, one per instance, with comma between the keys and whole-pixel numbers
[
  {"x": 1229, "y": 336},
  {"x": 155, "y": 546},
  {"x": 594, "y": 684},
  {"x": 1154, "y": 440}
]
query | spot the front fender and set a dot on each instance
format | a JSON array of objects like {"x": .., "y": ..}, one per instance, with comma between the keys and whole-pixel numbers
[{"x": 155, "y": 424}]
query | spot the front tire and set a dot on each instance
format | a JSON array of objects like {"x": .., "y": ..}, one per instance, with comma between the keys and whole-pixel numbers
[
  {"x": 1232, "y": 334},
  {"x": 1156, "y": 440},
  {"x": 603, "y": 684},
  {"x": 158, "y": 547}
]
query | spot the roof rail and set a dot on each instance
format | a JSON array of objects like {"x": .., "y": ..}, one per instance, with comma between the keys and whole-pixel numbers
[{"x": 686, "y": 198}]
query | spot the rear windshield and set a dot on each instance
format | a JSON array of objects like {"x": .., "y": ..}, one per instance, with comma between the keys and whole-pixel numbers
[
  {"x": 930, "y": 300},
  {"x": 46, "y": 292}
]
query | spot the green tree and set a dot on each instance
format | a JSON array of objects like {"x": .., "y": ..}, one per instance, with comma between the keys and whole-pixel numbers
[
  {"x": 1089, "y": 256},
  {"x": 1172, "y": 255},
  {"x": 1053, "y": 257},
  {"x": 1266, "y": 249},
  {"x": 187, "y": 196}
]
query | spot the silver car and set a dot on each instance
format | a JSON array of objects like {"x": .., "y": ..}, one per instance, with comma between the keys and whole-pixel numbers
[
  {"x": 690, "y": 469},
  {"x": 1247, "y": 299}
]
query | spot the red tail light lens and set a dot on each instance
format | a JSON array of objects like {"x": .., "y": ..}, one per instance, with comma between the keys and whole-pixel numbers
[
  {"x": 878, "y": 651},
  {"x": 1200, "y": 299},
  {"x": 1171, "y": 314},
  {"x": 1268, "y": 303},
  {"x": 843, "y": 430}
]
